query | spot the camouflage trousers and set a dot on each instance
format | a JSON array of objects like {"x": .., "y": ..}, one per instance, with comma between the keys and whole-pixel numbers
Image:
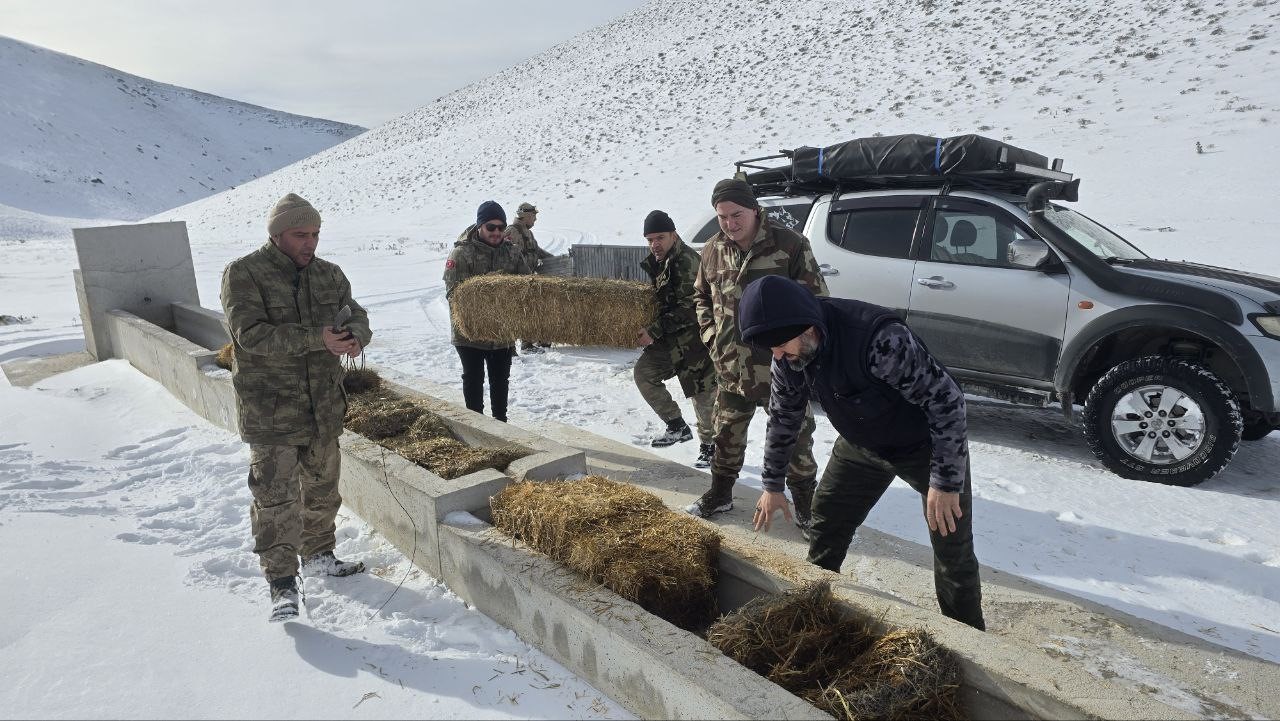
[
  {"x": 295, "y": 502},
  {"x": 652, "y": 371},
  {"x": 733, "y": 417}
]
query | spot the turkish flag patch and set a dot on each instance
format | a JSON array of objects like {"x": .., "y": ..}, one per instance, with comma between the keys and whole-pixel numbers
[{"x": 449, "y": 264}]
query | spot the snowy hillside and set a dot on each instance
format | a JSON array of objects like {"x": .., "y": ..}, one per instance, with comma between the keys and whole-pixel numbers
[
  {"x": 82, "y": 140},
  {"x": 649, "y": 110}
]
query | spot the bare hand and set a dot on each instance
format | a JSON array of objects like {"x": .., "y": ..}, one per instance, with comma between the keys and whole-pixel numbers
[
  {"x": 768, "y": 504},
  {"x": 644, "y": 338},
  {"x": 340, "y": 344},
  {"x": 941, "y": 509}
]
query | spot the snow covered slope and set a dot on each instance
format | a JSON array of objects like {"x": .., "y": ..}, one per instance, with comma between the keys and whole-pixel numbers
[
  {"x": 82, "y": 140},
  {"x": 649, "y": 110}
]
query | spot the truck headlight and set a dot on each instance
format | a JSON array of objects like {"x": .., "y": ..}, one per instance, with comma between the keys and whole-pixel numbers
[{"x": 1269, "y": 324}]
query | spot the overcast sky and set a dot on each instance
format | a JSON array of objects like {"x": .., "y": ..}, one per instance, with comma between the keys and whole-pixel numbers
[{"x": 356, "y": 61}]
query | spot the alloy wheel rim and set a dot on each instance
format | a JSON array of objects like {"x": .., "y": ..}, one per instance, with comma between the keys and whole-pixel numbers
[{"x": 1158, "y": 424}]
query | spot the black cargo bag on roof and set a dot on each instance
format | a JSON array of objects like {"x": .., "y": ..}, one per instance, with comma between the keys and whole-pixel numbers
[{"x": 905, "y": 155}]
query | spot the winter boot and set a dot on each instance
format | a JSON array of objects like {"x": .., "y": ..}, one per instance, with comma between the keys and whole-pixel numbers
[
  {"x": 705, "y": 452},
  {"x": 717, "y": 500},
  {"x": 284, "y": 600},
  {"x": 325, "y": 564},
  {"x": 802, "y": 498},
  {"x": 677, "y": 432}
]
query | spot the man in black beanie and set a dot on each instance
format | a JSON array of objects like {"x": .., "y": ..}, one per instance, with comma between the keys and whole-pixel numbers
[
  {"x": 898, "y": 413},
  {"x": 748, "y": 246},
  {"x": 481, "y": 249},
  {"x": 671, "y": 343}
]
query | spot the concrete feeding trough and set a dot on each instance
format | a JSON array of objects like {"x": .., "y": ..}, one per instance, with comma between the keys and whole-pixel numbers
[{"x": 648, "y": 665}]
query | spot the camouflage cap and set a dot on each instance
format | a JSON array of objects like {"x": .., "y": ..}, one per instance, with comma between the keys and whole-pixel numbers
[
  {"x": 291, "y": 211},
  {"x": 526, "y": 208}
]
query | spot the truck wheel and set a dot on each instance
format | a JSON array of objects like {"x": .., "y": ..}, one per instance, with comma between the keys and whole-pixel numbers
[{"x": 1162, "y": 419}]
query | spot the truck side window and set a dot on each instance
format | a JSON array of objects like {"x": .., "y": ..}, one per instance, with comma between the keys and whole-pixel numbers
[
  {"x": 704, "y": 234},
  {"x": 972, "y": 237},
  {"x": 884, "y": 232},
  {"x": 791, "y": 216}
]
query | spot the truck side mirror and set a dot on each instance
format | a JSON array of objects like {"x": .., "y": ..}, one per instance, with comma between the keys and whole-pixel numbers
[{"x": 1028, "y": 253}]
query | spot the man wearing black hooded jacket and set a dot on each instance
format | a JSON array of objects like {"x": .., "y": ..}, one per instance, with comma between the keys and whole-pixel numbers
[{"x": 898, "y": 413}]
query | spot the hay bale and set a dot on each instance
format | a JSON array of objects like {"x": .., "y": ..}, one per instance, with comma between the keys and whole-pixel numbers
[
  {"x": 450, "y": 458},
  {"x": 225, "y": 356},
  {"x": 622, "y": 537},
  {"x": 574, "y": 311},
  {"x": 361, "y": 380},
  {"x": 380, "y": 416},
  {"x": 810, "y": 644}
]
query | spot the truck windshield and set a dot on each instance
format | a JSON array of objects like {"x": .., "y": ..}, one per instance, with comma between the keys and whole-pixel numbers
[{"x": 1097, "y": 239}]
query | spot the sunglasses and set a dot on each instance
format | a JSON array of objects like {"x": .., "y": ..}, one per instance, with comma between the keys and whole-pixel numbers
[{"x": 494, "y": 227}]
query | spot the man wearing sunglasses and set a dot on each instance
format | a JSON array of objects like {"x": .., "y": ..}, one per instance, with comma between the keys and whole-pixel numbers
[
  {"x": 520, "y": 232},
  {"x": 482, "y": 249}
]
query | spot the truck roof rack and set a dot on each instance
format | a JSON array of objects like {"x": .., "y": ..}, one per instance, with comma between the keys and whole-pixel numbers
[{"x": 905, "y": 161}]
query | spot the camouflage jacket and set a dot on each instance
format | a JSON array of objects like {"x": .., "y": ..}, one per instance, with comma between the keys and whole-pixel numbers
[
  {"x": 522, "y": 236},
  {"x": 288, "y": 386},
  {"x": 472, "y": 256},
  {"x": 676, "y": 326},
  {"x": 725, "y": 271}
]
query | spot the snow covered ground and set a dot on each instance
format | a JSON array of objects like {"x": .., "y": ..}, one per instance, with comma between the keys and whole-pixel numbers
[
  {"x": 632, "y": 116},
  {"x": 132, "y": 590}
]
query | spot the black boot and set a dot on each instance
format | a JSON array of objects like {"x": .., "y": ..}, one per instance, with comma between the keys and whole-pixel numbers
[
  {"x": 326, "y": 564},
  {"x": 677, "y": 432},
  {"x": 284, "y": 600},
  {"x": 802, "y": 498},
  {"x": 717, "y": 500}
]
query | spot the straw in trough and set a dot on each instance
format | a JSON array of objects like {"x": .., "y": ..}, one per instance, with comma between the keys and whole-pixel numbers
[
  {"x": 808, "y": 643},
  {"x": 449, "y": 458},
  {"x": 575, "y": 311},
  {"x": 361, "y": 380},
  {"x": 622, "y": 537},
  {"x": 225, "y": 355},
  {"x": 378, "y": 416}
]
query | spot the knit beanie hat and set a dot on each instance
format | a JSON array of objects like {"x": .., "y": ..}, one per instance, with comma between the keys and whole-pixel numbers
[
  {"x": 658, "y": 222},
  {"x": 490, "y": 210},
  {"x": 775, "y": 337},
  {"x": 734, "y": 191},
  {"x": 526, "y": 208},
  {"x": 291, "y": 212}
]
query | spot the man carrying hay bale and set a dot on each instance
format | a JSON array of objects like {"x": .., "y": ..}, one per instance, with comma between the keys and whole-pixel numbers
[
  {"x": 671, "y": 343},
  {"x": 898, "y": 413},
  {"x": 480, "y": 250},
  {"x": 747, "y": 247},
  {"x": 520, "y": 233},
  {"x": 280, "y": 302}
]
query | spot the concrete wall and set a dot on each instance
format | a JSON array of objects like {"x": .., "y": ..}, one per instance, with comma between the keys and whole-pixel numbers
[{"x": 138, "y": 268}]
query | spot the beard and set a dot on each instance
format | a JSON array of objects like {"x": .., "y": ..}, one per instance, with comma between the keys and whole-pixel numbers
[{"x": 808, "y": 351}]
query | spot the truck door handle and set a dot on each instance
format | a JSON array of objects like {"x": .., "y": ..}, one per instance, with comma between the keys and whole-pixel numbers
[
  {"x": 826, "y": 269},
  {"x": 936, "y": 282}
]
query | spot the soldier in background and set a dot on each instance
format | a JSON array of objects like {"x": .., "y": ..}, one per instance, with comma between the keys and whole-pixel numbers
[
  {"x": 520, "y": 233},
  {"x": 748, "y": 246},
  {"x": 482, "y": 249},
  {"x": 280, "y": 302},
  {"x": 671, "y": 343}
]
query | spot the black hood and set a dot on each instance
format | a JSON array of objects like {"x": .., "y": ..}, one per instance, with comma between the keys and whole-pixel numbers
[{"x": 775, "y": 302}]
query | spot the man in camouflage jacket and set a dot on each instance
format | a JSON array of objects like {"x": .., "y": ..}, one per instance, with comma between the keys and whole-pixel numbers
[
  {"x": 672, "y": 346},
  {"x": 481, "y": 249},
  {"x": 280, "y": 303},
  {"x": 520, "y": 233},
  {"x": 897, "y": 410},
  {"x": 748, "y": 246}
]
